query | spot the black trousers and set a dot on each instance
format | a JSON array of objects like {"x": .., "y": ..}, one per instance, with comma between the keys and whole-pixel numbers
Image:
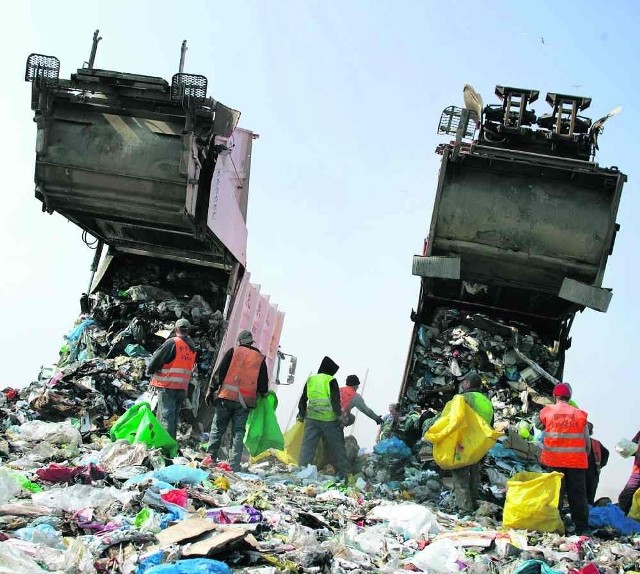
[{"x": 574, "y": 484}]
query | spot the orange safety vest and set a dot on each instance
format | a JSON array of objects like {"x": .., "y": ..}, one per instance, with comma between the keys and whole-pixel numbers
[
  {"x": 346, "y": 396},
  {"x": 564, "y": 444},
  {"x": 177, "y": 373},
  {"x": 241, "y": 382}
]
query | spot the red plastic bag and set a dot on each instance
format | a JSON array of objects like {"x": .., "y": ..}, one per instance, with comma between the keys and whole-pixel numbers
[{"x": 177, "y": 496}]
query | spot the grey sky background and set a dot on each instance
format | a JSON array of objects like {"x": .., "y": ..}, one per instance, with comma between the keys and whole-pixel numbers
[{"x": 346, "y": 97}]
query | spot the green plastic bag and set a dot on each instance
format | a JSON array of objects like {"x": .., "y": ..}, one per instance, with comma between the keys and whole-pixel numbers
[
  {"x": 532, "y": 502},
  {"x": 263, "y": 431},
  {"x": 25, "y": 483},
  {"x": 139, "y": 424}
]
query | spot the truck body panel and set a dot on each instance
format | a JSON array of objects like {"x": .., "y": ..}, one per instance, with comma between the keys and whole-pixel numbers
[
  {"x": 520, "y": 234},
  {"x": 142, "y": 171}
]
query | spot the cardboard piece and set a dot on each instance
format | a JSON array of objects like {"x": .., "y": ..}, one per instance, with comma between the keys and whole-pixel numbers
[
  {"x": 184, "y": 530},
  {"x": 214, "y": 542}
]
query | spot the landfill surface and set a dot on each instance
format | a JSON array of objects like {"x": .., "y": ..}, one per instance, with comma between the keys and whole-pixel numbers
[{"x": 73, "y": 500}]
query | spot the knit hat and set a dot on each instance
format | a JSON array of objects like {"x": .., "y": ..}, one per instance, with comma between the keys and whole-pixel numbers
[
  {"x": 353, "y": 381},
  {"x": 562, "y": 390},
  {"x": 245, "y": 338}
]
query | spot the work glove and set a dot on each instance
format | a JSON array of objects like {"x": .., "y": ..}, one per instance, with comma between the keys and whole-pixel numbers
[
  {"x": 379, "y": 420},
  {"x": 300, "y": 418}
]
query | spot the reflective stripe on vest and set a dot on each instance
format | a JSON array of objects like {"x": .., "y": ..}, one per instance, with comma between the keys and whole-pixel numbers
[
  {"x": 177, "y": 373},
  {"x": 319, "y": 398},
  {"x": 564, "y": 444},
  {"x": 241, "y": 381}
]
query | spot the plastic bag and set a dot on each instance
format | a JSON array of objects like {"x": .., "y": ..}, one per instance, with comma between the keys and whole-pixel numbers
[
  {"x": 234, "y": 515},
  {"x": 293, "y": 440},
  {"x": 263, "y": 431},
  {"x": 52, "y": 433},
  {"x": 9, "y": 486},
  {"x": 177, "y": 496},
  {"x": 532, "y": 502},
  {"x": 122, "y": 454},
  {"x": 280, "y": 455},
  {"x": 392, "y": 447},
  {"x": 42, "y": 534},
  {"x": 410, "y": 519},
  {"x": 440, "y": 557},
  {"x": 460, "y": 437},
  {"x": 634, "y": 512},
  {"x": 626, "y": 448},
  {"x": 14, "y": 560},
  {"x": 610, "y": 516},
  {"x": 79, "y": 496},
  {"x": 193, "y": 566},
  {"x": 139, "y": 424},
  {"x": 535, "y": 567},
  {"x": 180, "y": 473}
]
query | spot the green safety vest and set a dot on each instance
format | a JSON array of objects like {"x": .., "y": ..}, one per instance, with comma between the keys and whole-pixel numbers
[
  {"x": 319, "y": 398},
  {"x": 481, "y": 404}
]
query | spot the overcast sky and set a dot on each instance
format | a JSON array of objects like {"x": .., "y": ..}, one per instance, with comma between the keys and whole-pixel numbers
[{"x": 346, "y": 97}]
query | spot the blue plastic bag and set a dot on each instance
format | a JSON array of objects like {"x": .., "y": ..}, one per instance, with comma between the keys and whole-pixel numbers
[
  {"x": 180, "y": 473},
  {"x": 535, "y": 567},
  {"x": 611, "y": 516},
  {"x": 194, "y": 566},
  {"x": 147, "y": 563},
  {"x": 392, "y": 447}
]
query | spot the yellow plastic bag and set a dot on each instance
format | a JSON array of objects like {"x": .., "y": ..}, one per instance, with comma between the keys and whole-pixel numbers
[
  {"x": 293, "y": 440},
  {"x": 635, "y": 506},
  {"x": 532, "y": 502},
  {"x": 460, "y": 436},
  {"x": 281, "y": 455},
  {"x": 293, "y": 444}
]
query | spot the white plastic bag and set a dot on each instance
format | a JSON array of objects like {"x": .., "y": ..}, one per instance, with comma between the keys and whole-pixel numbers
[
  {"x": 52, "y": 433},
  {"x": 440, "y": 557},
  {"x": 409, "y": 519},
  {"x": 626, "y": 448},
  {"x": 122, "y": 453},
  {"x": 9, "y": 486},
  {"x": 79, "y": 496}
]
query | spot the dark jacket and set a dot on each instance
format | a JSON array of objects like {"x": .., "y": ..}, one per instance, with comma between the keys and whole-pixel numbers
[
  {"x": 225, "y": 363},
  {"x": 327, "y": 367},
  {"x": 167, "y": 352}
]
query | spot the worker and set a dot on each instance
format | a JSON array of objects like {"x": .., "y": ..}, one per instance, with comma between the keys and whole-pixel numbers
[
  {"x": 625, "y": 498},
  {"x": 389, "y": 422},
  {"x": 320, "y": 408},
  {"x": 565, "y": 449},
  {"x": 466, "y": 480},
  {"x": 242, "y": 376},
  {"x": 598, "y": 458},
  {"x": 170, "y": 368},
  {"x": 350, "y": 399}
]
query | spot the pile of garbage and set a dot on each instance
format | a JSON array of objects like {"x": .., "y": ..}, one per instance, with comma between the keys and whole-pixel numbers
[
  {"x": 81, "y": 503},
  {"x": 517, "y": 368},
  {"x": 102, "y": 361},
  {"x": 76, "y": 498},
  {"x": 518, "y": 371}
]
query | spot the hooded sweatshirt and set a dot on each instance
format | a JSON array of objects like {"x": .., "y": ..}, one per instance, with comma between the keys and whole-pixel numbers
[{"x": 327, "y": 367}]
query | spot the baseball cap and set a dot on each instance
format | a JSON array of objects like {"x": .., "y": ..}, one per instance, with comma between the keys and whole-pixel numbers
[{"x": 182, "y": 325}]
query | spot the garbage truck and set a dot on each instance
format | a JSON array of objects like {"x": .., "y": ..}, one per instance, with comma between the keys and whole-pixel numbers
[
  {"x": 158, "y": 172},
  {"x": 523, "y": 223}
]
